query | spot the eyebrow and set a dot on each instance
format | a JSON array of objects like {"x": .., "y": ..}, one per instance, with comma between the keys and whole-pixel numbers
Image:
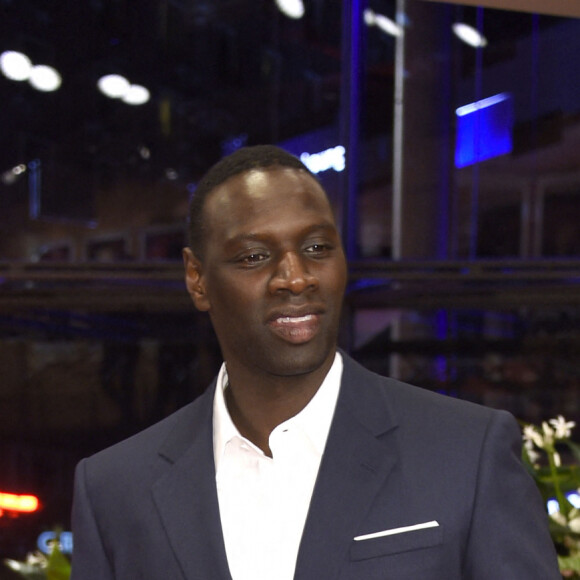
[{"x": 326, "y": 226}]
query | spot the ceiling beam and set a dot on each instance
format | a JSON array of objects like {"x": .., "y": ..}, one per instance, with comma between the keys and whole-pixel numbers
[{"x": 569, "y": 8}]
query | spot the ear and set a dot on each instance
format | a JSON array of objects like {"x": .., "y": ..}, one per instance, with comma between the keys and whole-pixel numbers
[{"x": 194, "y": 280}]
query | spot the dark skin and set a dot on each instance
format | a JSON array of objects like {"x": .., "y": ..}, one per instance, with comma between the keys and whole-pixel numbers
[{"x": 272, "y": 278}]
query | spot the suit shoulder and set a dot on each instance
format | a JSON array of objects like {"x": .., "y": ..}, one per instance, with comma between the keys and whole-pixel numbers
[
  {"x": 439, "y": 412},
  {"x": 148, "y": 444},
  {"x": 416, "y": 406}
]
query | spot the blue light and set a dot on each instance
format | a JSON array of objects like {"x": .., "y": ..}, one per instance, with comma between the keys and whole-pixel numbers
[
  {"x": 233, "y": 143},
  {"x": 332, "y": 158},
  {"x": 573, "y": 497},
  {"x": 484, "y": 130}
]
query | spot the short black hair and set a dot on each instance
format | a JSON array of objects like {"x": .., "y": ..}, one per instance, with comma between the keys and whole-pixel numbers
[{"x": 242, "y": 160}]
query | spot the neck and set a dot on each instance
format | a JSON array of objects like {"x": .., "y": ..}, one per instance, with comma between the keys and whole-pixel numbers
[{"x": 257, "y": 405}]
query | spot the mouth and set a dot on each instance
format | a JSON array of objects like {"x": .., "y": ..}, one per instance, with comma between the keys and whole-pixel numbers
[{"x": 296, "y": 329}]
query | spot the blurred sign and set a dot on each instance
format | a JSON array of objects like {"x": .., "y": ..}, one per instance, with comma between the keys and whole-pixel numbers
[
  {"x": 46, "y": 539},
  {"x": 12, "y": 502}
]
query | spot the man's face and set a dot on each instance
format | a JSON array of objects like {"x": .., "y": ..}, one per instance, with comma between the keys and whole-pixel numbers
[{"x": 273, "y": 273}]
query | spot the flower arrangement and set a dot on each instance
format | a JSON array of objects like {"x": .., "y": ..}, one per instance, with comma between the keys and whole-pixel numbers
[
  {"x": 38, "y": 566},
  {"x": 543, "y": 449}
]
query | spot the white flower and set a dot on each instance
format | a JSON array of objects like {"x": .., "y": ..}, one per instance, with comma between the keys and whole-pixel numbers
[
  {"x": 26, "y": 568},
  {"x": 559, "y": 518},
  {"x": 532, "y": 454},
  {"x": 548, "y": 434},
  {"x": 574, "y": 525},
  {"x": 37, "y": 559},
  {"x": 557, "y": 460},
  {"x": 531, "y": 434},
  {"x": 562, "y": 428}
]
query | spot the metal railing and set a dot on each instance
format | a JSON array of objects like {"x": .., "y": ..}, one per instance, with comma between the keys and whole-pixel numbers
[{"x": 376, "y": 283}]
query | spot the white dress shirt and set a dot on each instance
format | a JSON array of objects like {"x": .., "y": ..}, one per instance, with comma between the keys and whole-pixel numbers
[{"x": 264, "y": 501}]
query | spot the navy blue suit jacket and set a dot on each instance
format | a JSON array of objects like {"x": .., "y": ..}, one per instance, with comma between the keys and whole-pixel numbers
[{"x": 396, "y": 456}]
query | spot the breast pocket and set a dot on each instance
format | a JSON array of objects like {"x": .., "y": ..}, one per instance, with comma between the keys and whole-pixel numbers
[{"x": 396, "y": 544}]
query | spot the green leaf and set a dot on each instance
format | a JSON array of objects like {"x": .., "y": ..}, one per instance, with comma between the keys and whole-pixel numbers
[
  {"x": 575, "y": 448},
  {"x": 59, "y": 567},
  {"x": 569, "y": 563}
]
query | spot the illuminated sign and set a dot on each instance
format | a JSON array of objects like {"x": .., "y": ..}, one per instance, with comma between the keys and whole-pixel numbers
[
  {"x": 18, "y": 503},
  {"x": 46, "y": 539},
  {"x": 484, "y": 130},
  {"x": 332, "y": 158}
]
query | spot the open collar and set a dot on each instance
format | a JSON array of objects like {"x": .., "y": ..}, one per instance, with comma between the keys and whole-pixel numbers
[{"x": 314, "y": 420}]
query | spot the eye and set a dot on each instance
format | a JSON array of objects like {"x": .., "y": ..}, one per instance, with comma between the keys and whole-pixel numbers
[
  {"x": 318, "y": 249},
  {"x": 253, "y": 258}
]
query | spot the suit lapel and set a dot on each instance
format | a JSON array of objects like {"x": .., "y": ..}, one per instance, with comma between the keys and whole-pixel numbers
[
  {"x": 186, "y": 496},
  {"x": 360, "y": 453}
]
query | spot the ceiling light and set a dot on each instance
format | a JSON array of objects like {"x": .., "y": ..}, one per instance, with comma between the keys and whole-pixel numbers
[
  {"x": 382, "y": 22},
  {"x": 144, "y": 152},
  {"x": 482, "y": 104},
  {"x": 113, "y": 86},
  {"x": 291, "y": 8},
  {"x": 11, "y": 176},
  {"x": 45, "y": 78},
  {"x": 136, "y": 95},
  {"x": 469, "y": 35},
  {"x": 15, "y": 66}
]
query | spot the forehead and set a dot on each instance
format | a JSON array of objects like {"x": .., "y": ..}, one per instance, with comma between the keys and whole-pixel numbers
[{"x": 265, "y": 193}]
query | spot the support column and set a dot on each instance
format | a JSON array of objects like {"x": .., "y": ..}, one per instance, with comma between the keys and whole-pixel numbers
[{"x": 422, "y": 133}]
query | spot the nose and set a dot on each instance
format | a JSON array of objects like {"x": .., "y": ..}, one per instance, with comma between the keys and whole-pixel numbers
[{"x": 292, "y": 275}]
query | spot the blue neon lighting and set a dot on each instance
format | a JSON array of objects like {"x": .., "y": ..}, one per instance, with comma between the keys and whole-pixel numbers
[{"x": 484, "y": 129}]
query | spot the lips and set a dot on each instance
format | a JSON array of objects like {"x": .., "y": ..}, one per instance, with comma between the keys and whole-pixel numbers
[{"x": 294, "y": 327}]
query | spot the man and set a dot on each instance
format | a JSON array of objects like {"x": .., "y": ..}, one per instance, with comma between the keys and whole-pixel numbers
[{"x": 297, "y": 462}]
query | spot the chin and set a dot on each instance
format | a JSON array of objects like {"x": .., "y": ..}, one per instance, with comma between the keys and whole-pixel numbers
[{"x": 297, "y": 361}]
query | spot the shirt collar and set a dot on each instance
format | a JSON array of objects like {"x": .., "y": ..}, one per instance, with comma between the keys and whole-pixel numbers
[{"x": 314, "y": 420}]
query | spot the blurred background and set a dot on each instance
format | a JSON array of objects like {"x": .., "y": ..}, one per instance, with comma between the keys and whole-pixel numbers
[{"x": 447, "y": 136}]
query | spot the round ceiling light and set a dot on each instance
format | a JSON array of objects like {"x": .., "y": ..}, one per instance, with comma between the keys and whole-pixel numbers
[
  {"x": 113, "y": 86},
  {"x": 381, "y": 21},
  {"x": 469, "y": 35},
  {"x": 44, "y": 78},
  {"x": 15, "y": 66},
  {"x": 292, "y": 8},
  {"x": 136, "y": 95}
]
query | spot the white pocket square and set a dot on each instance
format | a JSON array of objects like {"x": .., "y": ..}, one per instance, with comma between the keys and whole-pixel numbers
[{"x": 393, "y": 531}]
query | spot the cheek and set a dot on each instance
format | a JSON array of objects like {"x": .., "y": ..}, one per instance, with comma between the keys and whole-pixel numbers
[
  {"x": 234, "y": 300},
  {"x": 335, "y": 283}
]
